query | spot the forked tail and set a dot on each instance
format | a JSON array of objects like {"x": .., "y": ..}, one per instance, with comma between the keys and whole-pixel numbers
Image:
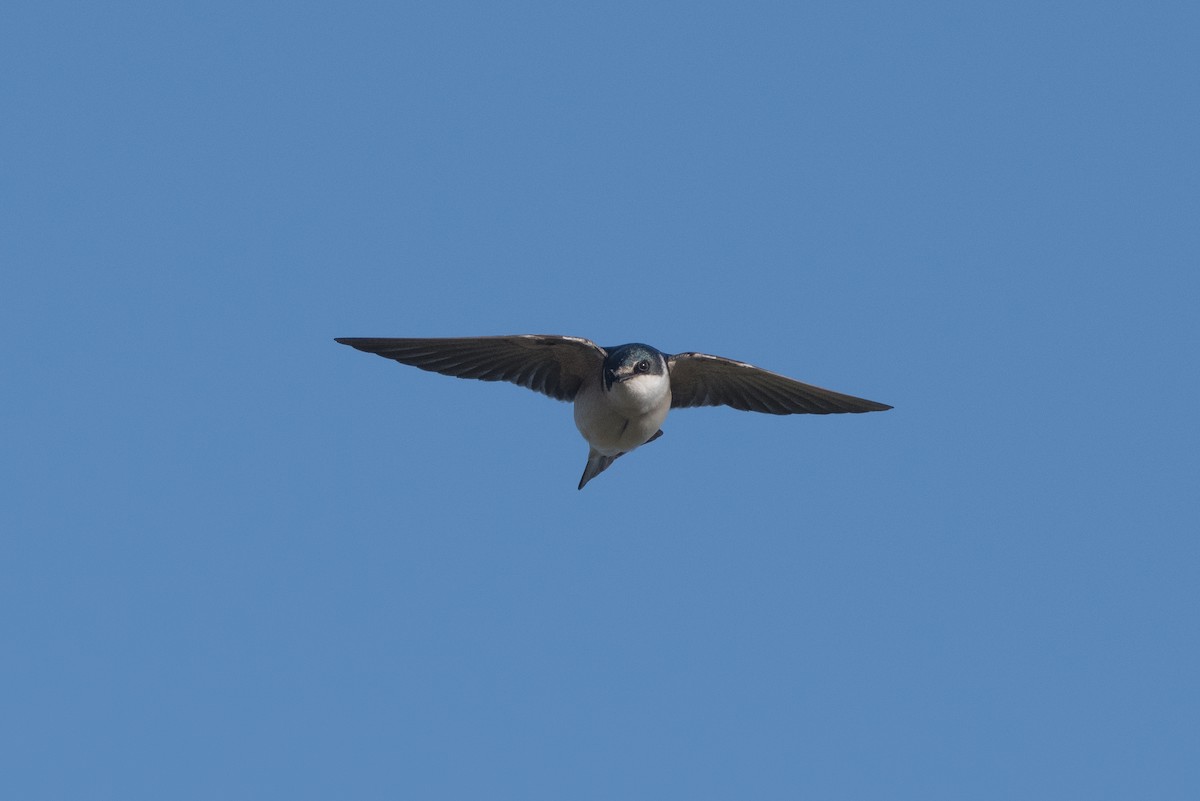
[{"x": 597, "y": 463}]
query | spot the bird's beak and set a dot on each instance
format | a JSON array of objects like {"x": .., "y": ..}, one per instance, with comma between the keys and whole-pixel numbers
[{"x": 611, "y": 377}]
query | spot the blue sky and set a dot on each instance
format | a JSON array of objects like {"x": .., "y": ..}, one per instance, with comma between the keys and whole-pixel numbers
[{"x": 241, "y": 561}]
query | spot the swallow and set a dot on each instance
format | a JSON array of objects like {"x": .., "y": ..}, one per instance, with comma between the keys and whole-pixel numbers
[{"x": 622, "y": 394}]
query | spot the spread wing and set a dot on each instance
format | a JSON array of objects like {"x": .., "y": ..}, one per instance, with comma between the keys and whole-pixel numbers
[
  {"x": 553, "y": 365},
  {"x": 698, "y": 379}
]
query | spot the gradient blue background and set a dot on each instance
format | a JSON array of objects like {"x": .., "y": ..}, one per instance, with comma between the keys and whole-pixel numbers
[{"x": 242, "y": 562}]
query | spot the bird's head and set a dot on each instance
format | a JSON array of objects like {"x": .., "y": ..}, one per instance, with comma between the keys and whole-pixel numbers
[{"x": 628, "y": 362}]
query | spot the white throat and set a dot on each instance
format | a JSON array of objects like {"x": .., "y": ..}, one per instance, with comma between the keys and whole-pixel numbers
[{"x": 640, "y": 394}]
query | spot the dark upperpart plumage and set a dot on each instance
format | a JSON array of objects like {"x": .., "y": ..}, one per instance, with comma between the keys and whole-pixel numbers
[{"x": 558, "y": 365}]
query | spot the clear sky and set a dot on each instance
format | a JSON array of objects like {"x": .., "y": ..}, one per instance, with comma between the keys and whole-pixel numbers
[{"x": 241, "y": 561}]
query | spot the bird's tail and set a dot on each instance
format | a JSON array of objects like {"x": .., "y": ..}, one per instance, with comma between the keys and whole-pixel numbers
[{"x": 597, "y": 463}]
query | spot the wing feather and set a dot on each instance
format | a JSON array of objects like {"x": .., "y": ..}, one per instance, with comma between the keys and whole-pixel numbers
[
  {"x": 698, "y": 379},
  {"x": 552, "y": 365}
]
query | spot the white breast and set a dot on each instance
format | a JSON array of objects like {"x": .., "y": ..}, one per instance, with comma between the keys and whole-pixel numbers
[{"x": 621, "y": 419}]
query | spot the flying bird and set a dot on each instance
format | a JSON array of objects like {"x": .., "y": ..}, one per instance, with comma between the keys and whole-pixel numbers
[{"x": 622, "y": 395}]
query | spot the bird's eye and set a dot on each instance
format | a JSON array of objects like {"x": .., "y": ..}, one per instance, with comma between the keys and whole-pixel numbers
[{"x": 643, "y": 366}]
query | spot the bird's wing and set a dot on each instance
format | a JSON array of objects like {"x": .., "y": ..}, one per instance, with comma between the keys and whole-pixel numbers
[
  {"x": 553, "y": 365},
  {"x": 698, "y": 379}
]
